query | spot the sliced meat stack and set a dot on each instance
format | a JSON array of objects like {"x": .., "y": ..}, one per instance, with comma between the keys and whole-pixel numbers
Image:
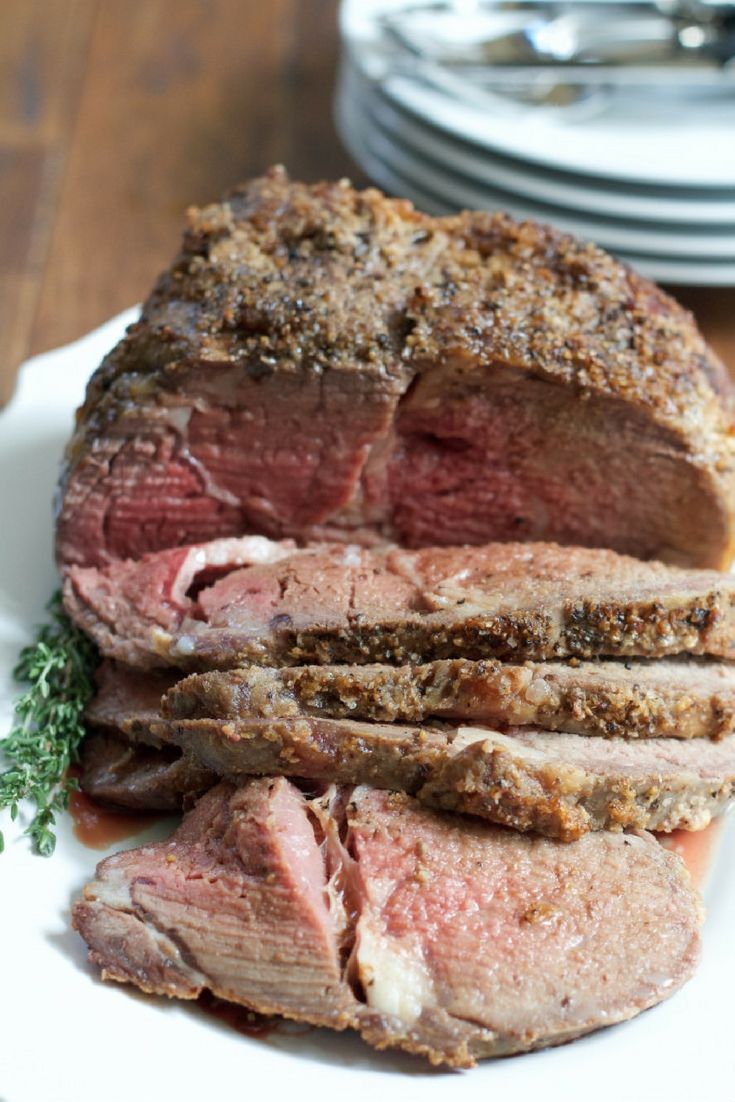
[
  {"x": 430, "y": 933},
  {"x": 325, "y": 363},
  {"x": 505, "y": 737}
]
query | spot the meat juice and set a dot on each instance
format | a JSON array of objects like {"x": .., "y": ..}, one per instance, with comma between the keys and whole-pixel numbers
[
  {"x": 97, "y": 828},
  {"x": 696, "y": 848}
]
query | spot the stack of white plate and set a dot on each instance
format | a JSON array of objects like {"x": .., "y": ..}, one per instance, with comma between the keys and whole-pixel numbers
[{"x": 652, "y": 181}]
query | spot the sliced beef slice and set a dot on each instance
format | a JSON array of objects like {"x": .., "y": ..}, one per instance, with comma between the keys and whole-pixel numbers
[
  {"x": 236, "y": 902},
  {"x": 636, "y": 698},
  {"x": 561, "y": 785},
  {"x": 128, "y": 701},
  {"x": 524, "y": 938},
  {"x": 135, "y": 776},
  {"x": 124, "y": 765},
  {"x": 322, "y": 361},
  {"x": 442, "y": 936},
  {"x": 342, "y": 604}
]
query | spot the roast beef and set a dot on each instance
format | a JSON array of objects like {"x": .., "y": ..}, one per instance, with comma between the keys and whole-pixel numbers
[
  {"x": 320, "y": 362},
  {"x": 127, "y": 702},
  {"x": 135, "y": 776},
  {"x": 445, "y": 937},
  {"x": 123, "y": 763},
  {"x": 634, "y": 698},
  {"x": 339, "y": 603},
  {"x": 561, "y": 785}
]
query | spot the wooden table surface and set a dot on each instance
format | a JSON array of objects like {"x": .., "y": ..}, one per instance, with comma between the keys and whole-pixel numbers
[{"x": 115, "y": 115}]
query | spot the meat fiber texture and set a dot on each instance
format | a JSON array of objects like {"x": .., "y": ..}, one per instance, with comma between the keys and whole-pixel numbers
[
  {"x": 325, "y": 363},
  {"x": 358, "y": 909},
  {"x": 233, "y": 602},
  {"x": 557, "y": 784}
]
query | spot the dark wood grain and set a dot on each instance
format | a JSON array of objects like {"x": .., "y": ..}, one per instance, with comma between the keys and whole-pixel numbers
[
  {"x": 714, "y": 309},
  {"x": 203, "y": 95},
  {"x": 115, "y": 116},
  {"x": 42, "y": 53}
]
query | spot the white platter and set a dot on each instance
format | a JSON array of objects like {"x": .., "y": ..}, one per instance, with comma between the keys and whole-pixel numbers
[
  {"x": 66, "y": 1037},
  {"x": 639, "y": 140}
]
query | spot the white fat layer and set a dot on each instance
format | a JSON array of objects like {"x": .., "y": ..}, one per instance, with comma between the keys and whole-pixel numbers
[
  {"x": 179, "y": 417},
  {"x": 113, "y": 890},
  {"x": 230, "y": 551},
  {"x": 246, "y": 551},
  {"x": 393, "y": 974},
  {"x": 219, "y": 493},
  {"x": 539, "y": 693}
]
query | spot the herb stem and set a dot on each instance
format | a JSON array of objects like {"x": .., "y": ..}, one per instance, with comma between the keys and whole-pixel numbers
[{"x": 58, "y": 669}]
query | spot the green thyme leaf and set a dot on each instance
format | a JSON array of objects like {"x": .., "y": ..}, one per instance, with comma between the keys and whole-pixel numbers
[{"x": 58, "y": 670}]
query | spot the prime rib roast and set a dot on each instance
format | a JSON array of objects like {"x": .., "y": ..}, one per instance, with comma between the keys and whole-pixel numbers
[
  {"x": 252, "y": 600},
  {"x": 432, "y": 513},
  {"x": 320, "y": 362},
  {"x": 359, "y": 909}
]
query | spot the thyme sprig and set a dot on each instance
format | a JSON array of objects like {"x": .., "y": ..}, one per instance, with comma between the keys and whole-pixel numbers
[{"x": 58, "y": 669}]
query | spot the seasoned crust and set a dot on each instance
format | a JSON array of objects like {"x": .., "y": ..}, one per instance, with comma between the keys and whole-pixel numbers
[
  {"x": 290, "y": 277},
  {"x": 296, "y": 282},
  {"x": 638, "y": 698}
]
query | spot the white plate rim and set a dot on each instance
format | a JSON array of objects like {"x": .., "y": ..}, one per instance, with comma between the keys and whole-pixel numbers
[
  {"x": 611, "y": 234},
  {"x": 537, "y": 183},
  {"x": 543, "y": 133},
  {"x": 693, "y": 271}
]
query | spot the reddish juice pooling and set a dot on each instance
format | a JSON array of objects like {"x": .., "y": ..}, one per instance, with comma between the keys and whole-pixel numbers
[
  {"x": 696, "y": 848},
  {"x": 97, "y": 827}
]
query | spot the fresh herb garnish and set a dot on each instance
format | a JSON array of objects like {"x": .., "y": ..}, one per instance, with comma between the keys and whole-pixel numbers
[{"x": 58, "y": 669}]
